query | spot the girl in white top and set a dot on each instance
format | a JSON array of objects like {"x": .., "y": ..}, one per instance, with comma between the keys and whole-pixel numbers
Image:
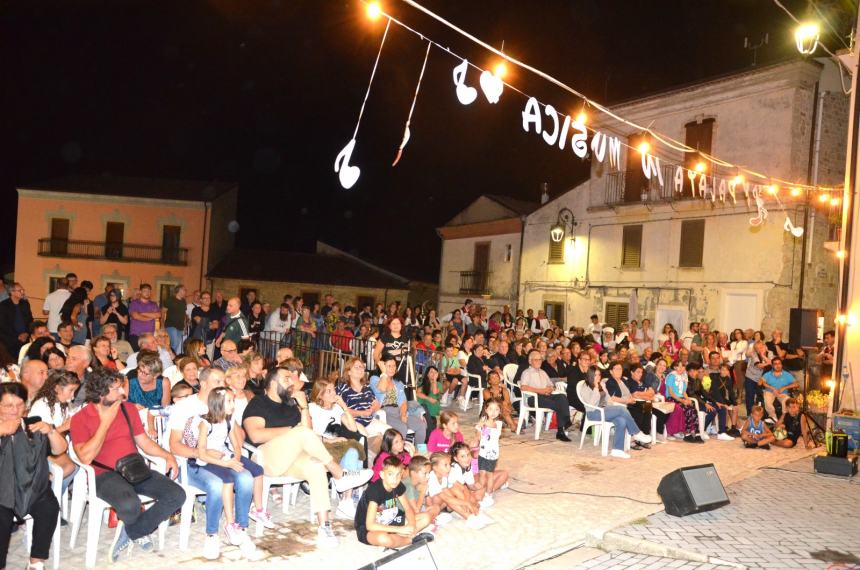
[
  {"x": 490, "y": 429},
  {"x": 53, "y": 404}
]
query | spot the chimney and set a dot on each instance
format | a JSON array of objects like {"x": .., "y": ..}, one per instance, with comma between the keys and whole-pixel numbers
[{"x": 544, "y": 193}]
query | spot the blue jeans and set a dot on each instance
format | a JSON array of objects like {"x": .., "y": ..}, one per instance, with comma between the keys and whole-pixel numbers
[
  {"x": 720, "y": 414},
  {"x": 243, "y": 487},
  {"x": 752, "y": 394},
  {"x": 351, "y": 461},
  {"x": 211, "y": 483},
  {"x": 621, "y": 419},
  {"x": 175, "y": 339}
]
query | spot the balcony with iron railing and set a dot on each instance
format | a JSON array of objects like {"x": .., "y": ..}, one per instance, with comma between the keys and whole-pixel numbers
[
  {"x": 130, "y": 252},
  {"x": 475, "y": 282},
  {"x": 619, "y": 187}
]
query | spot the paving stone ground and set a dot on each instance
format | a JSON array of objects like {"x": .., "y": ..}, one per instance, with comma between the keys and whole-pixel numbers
[
  {"x": 786, "y": 518},
  {"x": 546, "y": 512}
]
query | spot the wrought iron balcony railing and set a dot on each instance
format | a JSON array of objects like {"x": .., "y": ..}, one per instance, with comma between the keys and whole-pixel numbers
[{"x": 80, "y": 249}]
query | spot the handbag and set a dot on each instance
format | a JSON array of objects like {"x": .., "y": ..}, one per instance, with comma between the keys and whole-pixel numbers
[{"x": 132, "y": 467}]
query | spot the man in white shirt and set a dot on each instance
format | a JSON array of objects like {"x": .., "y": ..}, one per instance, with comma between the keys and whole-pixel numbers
[
  {"x": 535, "y": 380},
  {"x": 687, "y": 338},
  {"x": 54, "y": 303},
  {"x": 595, "y": 329},
  {"x": 280, "y": 322},
  {"x": 146, "y": 341}
]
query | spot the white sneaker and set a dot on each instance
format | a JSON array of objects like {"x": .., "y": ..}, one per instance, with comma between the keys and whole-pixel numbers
[
  {"x": 485, "y": 520},
  {"x": 679, "y": 435},
  {"x": 211, "y": 547},
  {"x": 345, "y": 509},
  {"x": 619, "y": 454},
  {"x": 487, "y": 501},
  {"x": 262, "y": 517},
  {"x": 642, "y": 438},
  {"x": 464, "y": 404},
  {"x": 234, "y": 534},
  {"x": 443, "y": 519},
  {"x": 326, "y": 537},
  {"x": 247, "y": 548},
  {"x": 725, "y": 437},
  {"x": 474, "y": 522},
  {"x": 443, "y": 401},
  {"x": 705, "y": 436},
  {"x": 352, "y": 479}
]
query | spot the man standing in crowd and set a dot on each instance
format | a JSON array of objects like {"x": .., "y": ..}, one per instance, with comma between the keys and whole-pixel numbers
[
  {"x": 688, "y": 336},
  {"x": 536, "y": 381},
  {"x": 53, "y": 304},
  {"x": 15, "y": 319},
  {"x": 595, "y": 329},
  {"x": 237, "y": 324},
  {"x": 697, "y": 345},
  {"x": 107, "y": 430},
  {"x": 281, "y": 321},
  {"x": 173, "y": 317},
  {"x": 143, "y": 313}
]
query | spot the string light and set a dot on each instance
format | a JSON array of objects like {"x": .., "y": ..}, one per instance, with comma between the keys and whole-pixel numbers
[
  {"x": 500, "y": 70},
  {"x": 835, "y": 201},
  {"x": 643, "y": 147},
  {"x": 772, "y": 189},
  {"x": 823, "y": 197},
  {"x": 374, "y": 10},
  {"x": 700, "y": 167},
  {"x": 795, "y": 192},
  {"x": 739, "y": 179},
  {"x": 840, "y": 254},
  {"x": 581, "y": 118},
  {"x": 806, "y": 37}
]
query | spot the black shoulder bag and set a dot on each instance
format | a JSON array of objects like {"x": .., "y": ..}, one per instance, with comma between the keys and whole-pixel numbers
[{"x": 132, "y": 467}]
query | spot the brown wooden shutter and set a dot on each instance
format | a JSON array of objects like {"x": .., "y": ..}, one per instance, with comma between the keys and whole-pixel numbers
[
  {"x": 616, "y": 314},
  {"x": 631, "y": 247},
  {"x": 692, "y": 243},
  {"x": 556, "y": 251}
]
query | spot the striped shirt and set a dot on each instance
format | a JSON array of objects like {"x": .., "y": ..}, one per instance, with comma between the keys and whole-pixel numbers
[{"x": 358, "y": 401}]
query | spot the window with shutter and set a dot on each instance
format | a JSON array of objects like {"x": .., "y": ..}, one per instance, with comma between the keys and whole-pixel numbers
[
  {"x": 556, "y": 251},
  {"x": 692, "y": 243},
  {"x": 615, "y": 314},
  {"x": 631, "y": 247}
]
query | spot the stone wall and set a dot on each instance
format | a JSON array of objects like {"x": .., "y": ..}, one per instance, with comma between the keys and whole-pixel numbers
[{"x": 273, "y": 292}]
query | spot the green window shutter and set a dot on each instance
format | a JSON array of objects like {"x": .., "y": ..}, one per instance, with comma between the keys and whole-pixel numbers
[
  {"x": 692, "y": 243},
  {"x": 631, "y": 247}
]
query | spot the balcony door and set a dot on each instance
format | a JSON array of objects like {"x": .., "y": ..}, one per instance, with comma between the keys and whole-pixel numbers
[
  {"x": 59, "y": 236},
  {"x": 170, "y": 244},
  {"x": 114, "y": 238},
  {"x": 635, "y": 183},
  {"x": 481, "y": 267}
]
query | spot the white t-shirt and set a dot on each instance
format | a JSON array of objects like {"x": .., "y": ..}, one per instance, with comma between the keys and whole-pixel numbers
[
  {"x": 488, "y": 448},
  {"x": 275, "y": 324},
  {"x": 239, "y": 405},
  {"x": 687, "y": 339},
  {"x": 53, "y": 304},
  {"x": 54, "y": 417},
  {"x": 217, "y": 438},
  {"x": 321, "y": 418},
  {"x": 435, "y": 486},
  {"x": 458, "y": 475},
  {"x": 187, "y": 408}
]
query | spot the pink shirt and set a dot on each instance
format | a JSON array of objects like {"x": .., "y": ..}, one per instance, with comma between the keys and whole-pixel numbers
[
  {"x": 438, "y": 441},
  {"x": 377, "y": 465}
]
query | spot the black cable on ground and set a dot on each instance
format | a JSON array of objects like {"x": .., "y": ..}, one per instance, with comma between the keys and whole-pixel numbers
[
  {"x": 583, "y": 494},
  {"x": 553, "y": 557},
  {"x": 848, "y": 480}
]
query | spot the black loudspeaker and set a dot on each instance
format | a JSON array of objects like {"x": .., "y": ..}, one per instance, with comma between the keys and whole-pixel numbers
[
  {"x": 805, "y": 327},
  {"x": 691, "y": 490}
]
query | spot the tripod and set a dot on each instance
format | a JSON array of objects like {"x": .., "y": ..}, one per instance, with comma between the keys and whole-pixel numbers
[{"x": 817, "y": 432}]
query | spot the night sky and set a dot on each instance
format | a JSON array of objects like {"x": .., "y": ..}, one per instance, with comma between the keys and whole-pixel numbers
[{"x": 266, "y": 93}]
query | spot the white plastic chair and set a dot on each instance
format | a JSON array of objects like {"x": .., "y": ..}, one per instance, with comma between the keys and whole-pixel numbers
[
  {"x": 602, "y": 428},
  {"x": 57, "y": 488},
  {"x": 526, "y": 408},
  {"x": 290, "y": 485},
  {"x": 701, "y": 415},
  {"x": 85, "y": 492},
  {"x": 508, "y": 373},
  {"x": 472, "y": 390}
]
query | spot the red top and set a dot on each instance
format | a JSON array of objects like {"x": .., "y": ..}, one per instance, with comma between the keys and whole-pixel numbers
[{"x": 117, "y": 442}]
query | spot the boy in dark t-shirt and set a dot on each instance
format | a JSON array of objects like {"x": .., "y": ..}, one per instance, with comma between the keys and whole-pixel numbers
[
  {"x": 384, "y": 516},
  {"x": 795, "y": 426}
]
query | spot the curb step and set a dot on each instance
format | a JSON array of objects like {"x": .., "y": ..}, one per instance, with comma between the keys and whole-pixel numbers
[{"x": 609, "y": 541}]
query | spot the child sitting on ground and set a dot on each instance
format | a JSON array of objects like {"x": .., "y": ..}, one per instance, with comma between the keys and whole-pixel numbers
[
  {"x": 795, "y": 425},
  {"x": 755, "y": 433},
  {"x": 416, "y": 487},
  {"x": 461, "y": 473},
  {"x": 385, "y": 516},
  {"x": 214, "y": 441},
  {"x": 490, "y": 430},
  {"x": 392, "y": 445},
  {"x": 445, "y": 494}
]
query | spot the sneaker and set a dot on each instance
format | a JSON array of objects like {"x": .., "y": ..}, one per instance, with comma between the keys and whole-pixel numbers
[
  {"x": 487, "y": 501},
  {"x": 36, "y": 566},
  {"x": 734, "y": 432},
  {"x": 704, "y": 436},
  {"x": 443, "y": 401},
  {"x": 725, "y": 437},
  {"x": 345, "y": 509},
  {"x": 770, "y": 421},
  {"x": 425, "y": 536},
  {"x": 144, "y": 543},
  {"x": 247, "y": 548},
  {"x": 474, "y": 522},
  {"x": 443, "y": 519},
  {"x": 463, "y": 403},
  {"x": 689, "y": 438},
  {"x": 749, "y": 445},
  {"x": 561, "y": 436},
  {"x": 211, "y": 547},
  {"x": 698, "y": 439},
  {"x": 121, "y": 543},
  {"x": 262, "y": 517},
  {"x": 765, "y": 446},
  {"x": 680, "y": 435},
  {"x": 505, "y": 486},
  {"x": 619, "y": 454},
  {"x": 352, "y": 479},
  {"x": 234, "y": 534},
  {"x": 642, "y": 438},
  {"x": 326, "y": 537}
]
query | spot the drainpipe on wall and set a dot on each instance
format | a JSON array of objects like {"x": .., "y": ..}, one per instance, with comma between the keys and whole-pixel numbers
[
  {"x": 519, "y": 260},
  {"x": 811, "y": 167},
  {"x": 204, "y": 254}
]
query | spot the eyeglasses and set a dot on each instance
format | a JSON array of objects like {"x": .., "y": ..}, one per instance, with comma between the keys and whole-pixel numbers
[
  {"x": 13, "y": 406},
  {"x": 229, "y": 350}
]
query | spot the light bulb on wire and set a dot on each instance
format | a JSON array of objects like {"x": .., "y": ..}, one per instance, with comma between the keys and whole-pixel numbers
[
  {"x": 643, "y": 147},
  {"x": 823, "y": 197},
  {"x": 835, "y": 201},
  {"x": 374, "y": 10},
  {"x": 772, "y": 189},
  {"x": 795, "y": 192},
  {"x": 500, "y": 70},
  {"x": 700, "y": 167},
  {"x": 806, "y": 37}
]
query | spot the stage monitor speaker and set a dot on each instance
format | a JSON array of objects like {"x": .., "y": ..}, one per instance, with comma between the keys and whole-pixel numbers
[
  {"x": 691, "y": 490},
  {"x": 413, "y": 557},
  {"x": 806, "y": 327}
]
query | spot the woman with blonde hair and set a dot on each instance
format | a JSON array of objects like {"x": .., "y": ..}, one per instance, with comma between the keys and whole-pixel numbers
[{"x": 196, "y": 350}]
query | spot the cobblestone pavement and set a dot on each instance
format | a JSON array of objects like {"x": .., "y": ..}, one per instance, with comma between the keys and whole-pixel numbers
[
  {"x": 779, "y": 518},
  {"x": 547, "y": 511}
]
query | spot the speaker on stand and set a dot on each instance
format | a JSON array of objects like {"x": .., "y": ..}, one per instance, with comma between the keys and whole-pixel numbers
[
  {"x": 806, "y": 330},
  {"x": 691, "y": 490}
]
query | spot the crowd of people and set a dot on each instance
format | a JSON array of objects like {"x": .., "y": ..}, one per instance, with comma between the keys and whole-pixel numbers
[{"x": 101, "y": 381}]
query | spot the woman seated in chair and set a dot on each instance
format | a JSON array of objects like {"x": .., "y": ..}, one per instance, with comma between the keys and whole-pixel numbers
[
  {"x": 399, "y": 413},
  {"x": 594, "y": 395},
  {"x": 24, "y": 451},
  {"x": 684, "y": 420},
  {"x": 359, "y": 399},
  {"x": 638, "y": 397}
]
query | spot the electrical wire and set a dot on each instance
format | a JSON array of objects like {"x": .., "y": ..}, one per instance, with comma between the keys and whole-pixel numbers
[
  {"x": 370, "y": 83},
  {"x": 667, "y": 141},
  {"x": 553, "y": 557},
  {"x": 584, "y": 495}
]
